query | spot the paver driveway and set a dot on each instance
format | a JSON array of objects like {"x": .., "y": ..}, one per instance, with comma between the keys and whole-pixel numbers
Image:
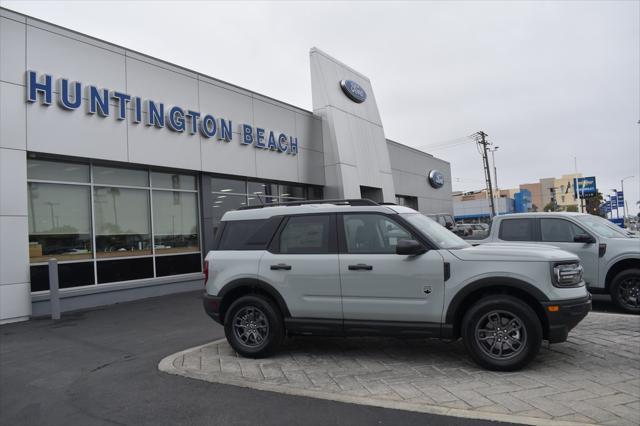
[{"x": 594, "y": 377}]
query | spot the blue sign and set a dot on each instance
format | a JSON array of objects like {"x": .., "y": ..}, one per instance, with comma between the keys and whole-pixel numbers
[
  {"x": 104, "y": 102},
  {"x": 614, "y": 202},
  {"x": 620, "y": 198},
  {"x": 618, "y": 221},
  {"x": 585, "y": 187},
  {"x": 436, "y": 179},
  {"x": 353, "y": 91}
]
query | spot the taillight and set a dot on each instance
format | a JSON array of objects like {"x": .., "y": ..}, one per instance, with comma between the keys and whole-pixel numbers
[{"x": 205, "y": 270}]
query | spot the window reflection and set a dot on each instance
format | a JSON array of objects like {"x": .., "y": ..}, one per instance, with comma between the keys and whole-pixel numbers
[
  {"x": 59, "y": 222},
  {"x": 175, "y": 221},
  {"x": 122, "y": 222}
]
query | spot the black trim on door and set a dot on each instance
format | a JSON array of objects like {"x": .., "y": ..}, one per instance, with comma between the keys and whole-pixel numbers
[{"x": 333, "y": 327}]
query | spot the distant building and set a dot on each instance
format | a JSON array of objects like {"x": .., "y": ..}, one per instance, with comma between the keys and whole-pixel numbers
[{"x": 547, "y": 191}]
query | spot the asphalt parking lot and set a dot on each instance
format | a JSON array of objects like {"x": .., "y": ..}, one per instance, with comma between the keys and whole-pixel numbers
[{"x": 101, "y": 367}]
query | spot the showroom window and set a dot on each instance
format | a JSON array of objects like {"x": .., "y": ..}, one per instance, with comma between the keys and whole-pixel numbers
[
  {"x": 107, "y": 224},
  {"x": 233, "y": 193}
]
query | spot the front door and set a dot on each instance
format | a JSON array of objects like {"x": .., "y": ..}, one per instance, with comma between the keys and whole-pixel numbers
[
  {"x": 381, "y": 286},
  {"x": 560, "y": 233}
]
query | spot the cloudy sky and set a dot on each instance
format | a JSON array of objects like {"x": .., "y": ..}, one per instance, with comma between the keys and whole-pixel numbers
[{"x": 548, "y": 81}]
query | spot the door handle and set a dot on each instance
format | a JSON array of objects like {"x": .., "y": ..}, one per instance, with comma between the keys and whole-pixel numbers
[
  {"x": 360, "y": 267},
  {"x": 280, "y": 267}
]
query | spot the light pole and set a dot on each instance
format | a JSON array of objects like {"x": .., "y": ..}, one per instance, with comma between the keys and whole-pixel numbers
[
  {"x": 624, "y": 203},
  {"x": 495, "y": 171}
]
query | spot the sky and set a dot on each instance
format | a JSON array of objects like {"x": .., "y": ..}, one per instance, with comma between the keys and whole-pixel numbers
[{"x": 553, "y": 83}]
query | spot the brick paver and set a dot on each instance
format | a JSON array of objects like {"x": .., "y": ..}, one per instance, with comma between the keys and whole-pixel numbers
[{"x": 594, "y": 377}]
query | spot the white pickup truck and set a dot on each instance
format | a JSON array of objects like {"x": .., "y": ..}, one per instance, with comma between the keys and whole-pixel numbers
[{"x": 609, "y": 255}]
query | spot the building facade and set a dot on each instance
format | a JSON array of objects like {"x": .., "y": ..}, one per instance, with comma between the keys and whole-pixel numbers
[{"x": 120, "y": 165}]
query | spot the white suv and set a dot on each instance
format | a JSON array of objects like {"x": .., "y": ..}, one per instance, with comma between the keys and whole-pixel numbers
[
  {"x": 353, "y": 267},
  {"x": 609, "y": 255}
]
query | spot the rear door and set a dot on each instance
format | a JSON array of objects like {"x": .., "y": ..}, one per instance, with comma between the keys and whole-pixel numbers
[
  {"x": 560, "y": 232},
  {"x": 302, "y": 264},
  {"x": 381, "y": 286}
]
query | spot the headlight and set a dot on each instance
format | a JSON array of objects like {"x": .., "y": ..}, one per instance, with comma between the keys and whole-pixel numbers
[{"x": 567, "y": 274}]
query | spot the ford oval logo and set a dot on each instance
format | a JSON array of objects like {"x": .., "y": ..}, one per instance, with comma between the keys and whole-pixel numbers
[
  {"x": 353, "y": 91},
  {"x": 436, "y": 179}
]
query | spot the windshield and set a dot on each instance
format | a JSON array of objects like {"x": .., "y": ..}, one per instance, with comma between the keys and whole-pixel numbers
[
  {"x": 602, "y": 227},
  {"x": 435, "y": 232}
]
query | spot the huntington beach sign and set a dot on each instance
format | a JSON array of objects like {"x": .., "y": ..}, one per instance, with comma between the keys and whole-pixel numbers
[{"x": 151, "y": 113}]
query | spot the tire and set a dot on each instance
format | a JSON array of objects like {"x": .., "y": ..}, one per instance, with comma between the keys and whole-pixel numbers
[
  {"x": 517, "y": 347},
  {"x": 625, "y": 290},
  {"x": 254, "y": 327}
]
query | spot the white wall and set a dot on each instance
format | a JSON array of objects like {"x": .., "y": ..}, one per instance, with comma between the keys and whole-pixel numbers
[
  {"x": 15, "y": 300},
  {"x": 355, "y": 148},
  {"x": 411, "y": 169}
]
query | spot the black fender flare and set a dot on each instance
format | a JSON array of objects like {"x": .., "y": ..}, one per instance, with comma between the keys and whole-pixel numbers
[
  {"x": 256, "y": 286},
  {"x": 500, "y": 282}
]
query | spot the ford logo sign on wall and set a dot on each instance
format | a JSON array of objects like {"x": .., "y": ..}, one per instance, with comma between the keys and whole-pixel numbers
[
  {"x": 353, "y": 91},
  {"x": 436, "y": 179}
]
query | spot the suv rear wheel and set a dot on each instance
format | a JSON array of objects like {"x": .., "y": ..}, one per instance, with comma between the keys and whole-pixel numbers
[
  {"x": 625, "y": 290},
  {"x": 501, "y": 333},
  {"x": 253, "y": 326}
]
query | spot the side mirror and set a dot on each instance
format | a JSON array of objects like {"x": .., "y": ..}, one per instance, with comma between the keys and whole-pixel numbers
[
  {"x": 584, "y": 238},
  {"x": 409, "y": 248}
]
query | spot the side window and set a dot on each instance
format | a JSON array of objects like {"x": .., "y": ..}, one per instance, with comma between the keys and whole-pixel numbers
[
  {"x": 559, "y": 230},
  {"x": 372, "y": 233},
  {"x": 248, "y": 234},
  {"x": 517, "y": 230},
  {"x": 306, "y": 235}
]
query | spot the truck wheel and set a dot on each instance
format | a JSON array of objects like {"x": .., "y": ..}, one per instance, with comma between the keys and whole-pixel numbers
[
  {"x": 501, "y": 333},
  {"x": 253, "y": 326},
  {"x": 625, "y": 290}
]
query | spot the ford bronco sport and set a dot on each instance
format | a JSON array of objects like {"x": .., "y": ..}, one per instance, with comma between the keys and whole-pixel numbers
[
  {"x": 354, "y": 268},
  {"x": 609, "y": 255}
]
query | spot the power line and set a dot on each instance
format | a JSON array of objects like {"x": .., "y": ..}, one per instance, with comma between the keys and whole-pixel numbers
[{"x": 449, "y": 143}]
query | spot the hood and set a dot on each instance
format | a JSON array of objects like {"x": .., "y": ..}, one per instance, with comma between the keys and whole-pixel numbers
[{"x": 514, "y": 253}]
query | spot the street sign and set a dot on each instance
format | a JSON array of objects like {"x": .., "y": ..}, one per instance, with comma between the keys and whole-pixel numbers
[
  {"x": 620, "y": 198},
  {"x": 585, "y": 187},
  {"x": 614, "y": 202}
]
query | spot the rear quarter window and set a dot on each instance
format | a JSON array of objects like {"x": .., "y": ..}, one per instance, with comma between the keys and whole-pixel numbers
[
  {"x": 517, "y": 230},
  {"x": 248, "y": 234}
]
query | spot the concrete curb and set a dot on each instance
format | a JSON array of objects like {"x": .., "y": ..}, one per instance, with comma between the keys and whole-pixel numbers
[{"x": 166, "y": 366}]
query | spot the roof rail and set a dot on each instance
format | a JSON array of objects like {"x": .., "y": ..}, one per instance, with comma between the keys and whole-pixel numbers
[{"x": 340, "y": 202}]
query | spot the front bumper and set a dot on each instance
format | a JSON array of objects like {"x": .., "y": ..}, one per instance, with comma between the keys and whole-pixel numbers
[
  {"x": 211, "y": 306},
  {"x": 567, "y": 315}
]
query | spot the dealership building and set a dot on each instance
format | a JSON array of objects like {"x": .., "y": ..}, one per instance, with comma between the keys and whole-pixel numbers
[{"x": 120, "y": 165}]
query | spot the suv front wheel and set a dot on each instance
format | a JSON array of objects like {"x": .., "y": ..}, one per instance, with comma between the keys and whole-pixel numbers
[
  {"x": 625, "y": 290},
  {"x": 501, "y": 333},
  {"x": 253, "y": 326}
]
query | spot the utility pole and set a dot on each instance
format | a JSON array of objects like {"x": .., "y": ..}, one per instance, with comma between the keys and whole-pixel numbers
[
  {"x": 495, "y": 170},
  {"x": 480, "y": 138}
]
